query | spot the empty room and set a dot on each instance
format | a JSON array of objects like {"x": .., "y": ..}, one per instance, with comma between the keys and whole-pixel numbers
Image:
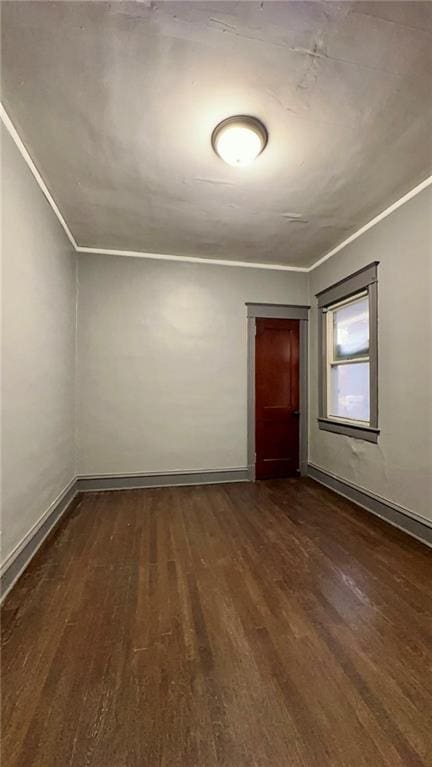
[{"x": 216, "y": 430}]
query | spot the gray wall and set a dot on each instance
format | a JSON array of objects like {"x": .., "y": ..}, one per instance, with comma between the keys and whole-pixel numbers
[
  {"x": 399, "y": 467},
  {"x": 162, "y": 360},
  {"x": 162, "y": 353},
  {"x": 38, "y": 351}
]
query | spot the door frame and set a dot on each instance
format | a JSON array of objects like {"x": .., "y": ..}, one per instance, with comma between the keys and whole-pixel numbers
[{"x": 272, "y": 312}]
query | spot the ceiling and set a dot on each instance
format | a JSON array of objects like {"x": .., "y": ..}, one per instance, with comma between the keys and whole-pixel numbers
[{"x": 116, "y": 103}]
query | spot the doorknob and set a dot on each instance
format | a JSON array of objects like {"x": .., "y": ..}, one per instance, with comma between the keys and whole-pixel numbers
[{"x": 296, "y": 412}]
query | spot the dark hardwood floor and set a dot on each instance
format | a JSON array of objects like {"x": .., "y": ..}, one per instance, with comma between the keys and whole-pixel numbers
[{"x": 266, "y": 625}]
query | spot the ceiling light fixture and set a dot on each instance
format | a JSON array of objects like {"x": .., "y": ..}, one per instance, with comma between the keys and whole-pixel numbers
[{"x": 239, "y": 140}]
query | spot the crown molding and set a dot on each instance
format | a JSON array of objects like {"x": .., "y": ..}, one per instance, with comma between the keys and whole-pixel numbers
[
  {"x": 10, "y": 127},
  {"x": 190, "y": 259},
  {"x": 408, "y": 196},
  {"x": 193, "y": 259}
]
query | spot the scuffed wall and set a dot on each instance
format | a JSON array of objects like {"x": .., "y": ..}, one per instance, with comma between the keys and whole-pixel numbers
[
  {"x": 38, "y": 353},
  {"x": 399, "y": 467}
]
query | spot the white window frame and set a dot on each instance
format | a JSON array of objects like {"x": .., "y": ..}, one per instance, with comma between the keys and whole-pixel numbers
[{"x": 362, "y": 283}]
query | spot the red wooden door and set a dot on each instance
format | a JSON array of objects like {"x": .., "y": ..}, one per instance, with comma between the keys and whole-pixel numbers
[{"x": 276, "y": 398}]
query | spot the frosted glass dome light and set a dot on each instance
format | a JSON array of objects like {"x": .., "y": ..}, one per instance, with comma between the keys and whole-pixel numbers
[{"x": 239, "y": 140}]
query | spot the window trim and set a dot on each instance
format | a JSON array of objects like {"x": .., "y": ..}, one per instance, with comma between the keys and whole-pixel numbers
[{"x": 362, "y": 281}]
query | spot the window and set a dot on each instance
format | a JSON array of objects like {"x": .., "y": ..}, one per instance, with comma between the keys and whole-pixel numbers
[
  {"x": 348, "y": 360},
  {"x": 348, "y": 356}
]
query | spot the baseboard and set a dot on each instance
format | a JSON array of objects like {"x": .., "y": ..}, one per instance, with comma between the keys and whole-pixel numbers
[
  {"x": 20, "y": 557},
  {"x": 417, "y": 527},
  {"x": 171, "y": 479}
]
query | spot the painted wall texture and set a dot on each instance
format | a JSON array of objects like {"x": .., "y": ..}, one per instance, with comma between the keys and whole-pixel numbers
[
  {"x": 38, "y": 352},
  {"x": 161, "y": 378},
  {"x": 162, "y": 362},
  {"x": 399, "y": 467}
]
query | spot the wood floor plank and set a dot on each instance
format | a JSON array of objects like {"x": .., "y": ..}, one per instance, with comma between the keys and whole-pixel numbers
[{"x": 243, "y": 625}]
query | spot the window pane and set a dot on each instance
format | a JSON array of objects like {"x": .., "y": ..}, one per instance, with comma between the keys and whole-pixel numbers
[
  {"x": 351, "y": 330},
  {"x": 349, "y": 391}
]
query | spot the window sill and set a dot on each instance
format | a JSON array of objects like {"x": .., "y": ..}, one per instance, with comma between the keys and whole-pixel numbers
[{"x": 366, "y": 433}]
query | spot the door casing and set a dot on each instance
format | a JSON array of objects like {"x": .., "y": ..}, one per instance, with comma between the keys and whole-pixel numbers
[{"x": 286, "y": 312}]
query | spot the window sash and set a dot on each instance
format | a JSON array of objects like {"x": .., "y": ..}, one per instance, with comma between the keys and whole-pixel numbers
[
  {"x": 339, "y": 418},
  {"x": 331, "y": 362},
  {"x": 329, "y": 314}
]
